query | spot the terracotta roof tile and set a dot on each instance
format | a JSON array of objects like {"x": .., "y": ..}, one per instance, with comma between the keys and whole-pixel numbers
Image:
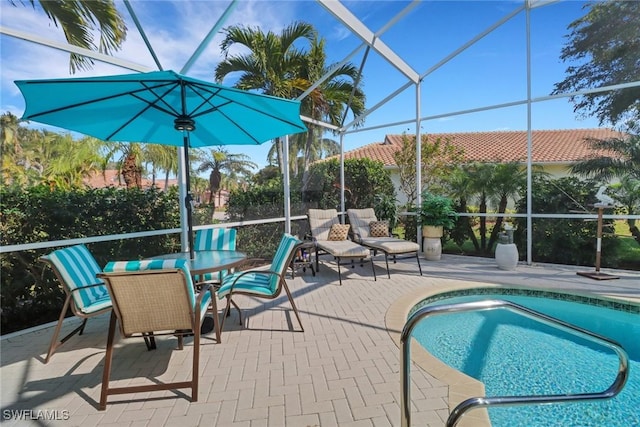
[
  {"x": 549, "y": 146},
  {"x": 110, "y": 179}
]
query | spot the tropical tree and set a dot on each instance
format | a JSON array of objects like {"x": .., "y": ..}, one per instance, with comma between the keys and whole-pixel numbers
[
  {"x": 627, "y": 194},
  {"x": 330, "y": 100},
  {"x": 461, "y": 189},
  {"x": 605, "y": 44},
  {"x": 320, "y": 149},
  {"x": 219, "y": 160},
  {"x": 70, "y": 161},
  {"x": 482, "y": 179},
  {"x": 507, "y": 182},
  {"x": 623, "y": 160},
  {"x": 80, "y": 21},
  {"x": 437, "y": 157},
  {"x": 623, "y": 163},
  {"x": 128, "y": 163},
  {"x": 20, "y": 149},
  {"x": 272, "y": 63},
  {"x": 161, "y": 158}
]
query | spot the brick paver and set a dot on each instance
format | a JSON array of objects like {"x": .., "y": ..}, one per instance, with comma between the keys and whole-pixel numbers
[{"x": 342, "y": 371}]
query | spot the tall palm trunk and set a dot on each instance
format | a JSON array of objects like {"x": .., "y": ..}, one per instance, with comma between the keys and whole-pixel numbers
[
  {"x": 307, "y": 159},
  {"x": 483, "y": 222},
  {"x": 215, "y": 178},
  {"x": 502, "y": 208},
  {"x": 131, "y": 172}
]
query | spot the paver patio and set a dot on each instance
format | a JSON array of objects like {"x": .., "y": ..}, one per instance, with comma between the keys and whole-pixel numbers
[{"x": 342, "y": 371}]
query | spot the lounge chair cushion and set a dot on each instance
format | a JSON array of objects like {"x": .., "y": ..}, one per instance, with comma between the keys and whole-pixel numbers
[
  {"x": 379, "y": 229},
  {"x": 391, "y": 245},
  {"x": 344, "y": 249},
  {"x": 339, "y": 232}
]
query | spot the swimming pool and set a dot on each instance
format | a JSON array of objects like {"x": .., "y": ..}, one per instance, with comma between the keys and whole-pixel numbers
[{"x": 514, "y": 355}]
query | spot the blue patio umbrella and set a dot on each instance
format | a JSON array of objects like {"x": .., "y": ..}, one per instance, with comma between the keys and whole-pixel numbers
[{"x": 159, "y": 107}]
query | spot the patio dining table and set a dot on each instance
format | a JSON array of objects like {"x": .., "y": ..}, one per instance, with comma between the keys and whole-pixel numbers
[{"x": 209, "y": 262}]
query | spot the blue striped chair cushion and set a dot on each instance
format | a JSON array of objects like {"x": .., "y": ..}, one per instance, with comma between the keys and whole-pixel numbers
[
  {"x": 78, "y": 269},
  {"x": 255, "y": 283},
  {"x": 220, "y": 239},
  {"x": 156, "y": 264},
  {"x": 261, "y": 283}
]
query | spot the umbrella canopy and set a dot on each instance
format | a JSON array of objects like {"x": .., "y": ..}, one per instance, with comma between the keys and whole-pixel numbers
[{"x": 158, "y": 107}]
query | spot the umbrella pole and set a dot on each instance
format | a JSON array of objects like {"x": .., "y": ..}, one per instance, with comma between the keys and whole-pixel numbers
[{"x": 188, "y": 199}]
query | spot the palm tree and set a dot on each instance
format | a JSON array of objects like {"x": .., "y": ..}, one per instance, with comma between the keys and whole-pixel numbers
[
  {"x": 79, "y": 21},
  {"x": 507, "y": 182},
  {"x": 624, "y": 159},
  {"x": 330, "y": 100},
  {"x": 161, "y": 158},
  {"x": 623, "y": 163},
  {"x": 129, "y": 163},
  {"x": 272, "y": 63},
  {"x": 219, "y": 160},
  {"x": 627, "y": 193},
  {"x": 69, "y": 161}
]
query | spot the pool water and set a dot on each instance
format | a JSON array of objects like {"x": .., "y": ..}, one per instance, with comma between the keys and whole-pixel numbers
[{"x": 514, "y": 355}]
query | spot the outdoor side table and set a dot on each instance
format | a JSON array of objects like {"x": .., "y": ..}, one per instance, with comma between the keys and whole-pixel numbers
[{"x": 303, "y": 258}]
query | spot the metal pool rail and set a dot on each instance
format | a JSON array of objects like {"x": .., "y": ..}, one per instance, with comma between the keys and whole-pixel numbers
[{"x": 475, "y": 402}]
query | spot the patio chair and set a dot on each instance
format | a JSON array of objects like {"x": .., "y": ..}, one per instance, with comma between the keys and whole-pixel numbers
[
  {"x": 86, "y": 295},
  {"x": 263, "y": 283},
  {"x": 374, "y": 234},
  {"x": 152, "y": 298},
  {"x": 221, "y": 239},
  {"x": 325, "y": 230}
]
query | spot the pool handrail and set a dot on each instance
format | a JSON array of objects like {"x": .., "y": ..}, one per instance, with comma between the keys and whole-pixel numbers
[{"x": 475, "y": 402}]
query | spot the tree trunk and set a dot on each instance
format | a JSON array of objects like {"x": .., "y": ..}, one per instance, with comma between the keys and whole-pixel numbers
[
  {"x": 483, "y": 222},
  {"x": 502, "y": 208},
  {"x": 307, "y": 160},
  {"x": 131, "y": 173},
  {"x": 280, "y": 154}
]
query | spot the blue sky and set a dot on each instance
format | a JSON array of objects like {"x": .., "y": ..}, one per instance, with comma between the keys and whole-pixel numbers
[{"x": 491, "y": 71}]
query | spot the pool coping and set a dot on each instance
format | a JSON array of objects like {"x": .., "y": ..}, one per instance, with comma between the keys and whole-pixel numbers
[{"x": 461, "y": 386}]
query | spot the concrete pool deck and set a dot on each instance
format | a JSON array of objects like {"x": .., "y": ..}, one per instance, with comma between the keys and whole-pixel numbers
[{"x": 342, "y": 371}]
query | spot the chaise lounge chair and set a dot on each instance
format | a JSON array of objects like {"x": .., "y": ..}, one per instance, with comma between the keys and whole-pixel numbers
[
  {"x": 374, "y": 234},
  {"x": 331, "y": 238}
]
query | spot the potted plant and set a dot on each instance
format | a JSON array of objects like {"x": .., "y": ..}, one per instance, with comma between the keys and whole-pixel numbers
[{"x": 436, "y": 213}]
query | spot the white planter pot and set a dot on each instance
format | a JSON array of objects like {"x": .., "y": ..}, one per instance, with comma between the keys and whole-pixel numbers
[
  {"x": 432, "y": 231},
  {"x": 507, "y": 256},
  {"x": 432, "y": 248}
]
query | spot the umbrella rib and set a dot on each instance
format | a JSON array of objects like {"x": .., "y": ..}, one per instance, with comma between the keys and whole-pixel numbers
[
  {"x": 206, "y": 100},
  {"x": 254, "y": 109},
  {"x": 92, "y": 101},
  {"x": 147, "y": 107},
  {"x": 230, "y": 101}
]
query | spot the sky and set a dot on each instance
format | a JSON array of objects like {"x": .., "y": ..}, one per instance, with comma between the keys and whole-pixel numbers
[{"x": 490, "y": 71}]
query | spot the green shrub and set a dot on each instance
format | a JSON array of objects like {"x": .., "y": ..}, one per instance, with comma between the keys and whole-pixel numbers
[
  {"x": 29, "y": 292},
  {"x": 565, "y": 241}
]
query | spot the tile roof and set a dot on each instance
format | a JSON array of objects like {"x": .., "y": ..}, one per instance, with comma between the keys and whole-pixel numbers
[
  {"x": 549, "y": 146},
  {"x": 110, "y": 179}
]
